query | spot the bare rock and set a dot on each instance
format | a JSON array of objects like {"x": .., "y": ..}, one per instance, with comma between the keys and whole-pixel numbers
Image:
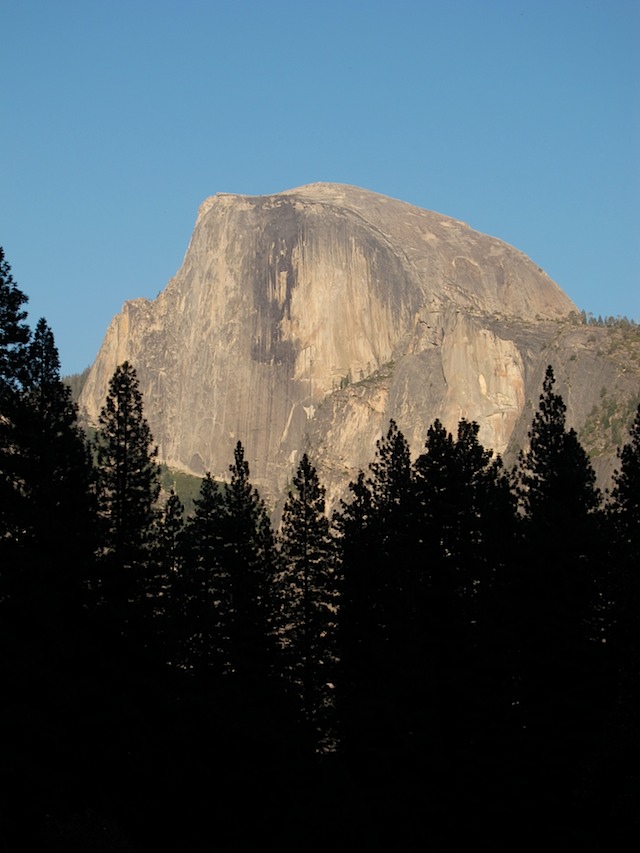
[{"x": 305, "y": 320}]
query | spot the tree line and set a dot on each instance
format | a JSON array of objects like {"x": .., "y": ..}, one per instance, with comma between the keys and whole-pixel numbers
[{"x": 454, "y": 650}]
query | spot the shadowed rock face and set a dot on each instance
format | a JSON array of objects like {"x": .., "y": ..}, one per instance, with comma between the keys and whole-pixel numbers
[{"x": 307, "y": 319}]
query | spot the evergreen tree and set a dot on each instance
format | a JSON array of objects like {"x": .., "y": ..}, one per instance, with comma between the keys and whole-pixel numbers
[
  {"x": 559, "y": 673},
  {"x": 378, "y": 602},
  {"x": 622, "y": 590},
  {"x": 45, "y": 518},
  {"x": 14, "y": 336},
  {"x": 309, "y": 596},
  {"x": 464, "y": 521},
  {"x": 436, "y": 493},
  {"x": 463, "y": 500},
  {"x": 14, "y": 332},
  {"x": 56, "y": 460},
  {"x": 391, "y": 480},
  {"x": 201, "y": 593},
  {"x": 168, "y": 534},
  {"x": 127, "y": 485},
  {"x": 615, "y": 793},
  {"x": 391, "y": 568},
  {"x": 356, "y": 524},
  {"x": 557, "y": 482},
  {"x": 248, "y": 557},
  {"x": 559, "y": 500},
  {"x": 623, "y": 515},
  {"x": 624, "y": 507},
  {"x": 229, "y": 569},
  {"x": 168, "y": 561}
]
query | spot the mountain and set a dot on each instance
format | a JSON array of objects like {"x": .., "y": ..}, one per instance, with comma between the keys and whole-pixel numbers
[{"x": 305, "y": 320}]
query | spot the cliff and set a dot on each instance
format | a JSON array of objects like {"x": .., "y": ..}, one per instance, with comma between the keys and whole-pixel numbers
[{"x": 307, "y": 319}]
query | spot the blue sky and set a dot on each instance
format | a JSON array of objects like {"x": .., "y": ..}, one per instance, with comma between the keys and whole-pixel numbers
[{"x": 119, "y": 118}]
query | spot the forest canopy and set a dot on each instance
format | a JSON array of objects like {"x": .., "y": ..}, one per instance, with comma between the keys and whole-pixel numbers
[{"x": 456, "y": 638}]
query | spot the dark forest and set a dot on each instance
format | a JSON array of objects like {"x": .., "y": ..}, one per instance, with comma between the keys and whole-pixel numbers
[{"x": 452, "y": 655}]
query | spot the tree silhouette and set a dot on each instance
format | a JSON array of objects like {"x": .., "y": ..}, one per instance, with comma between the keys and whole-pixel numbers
[
  {"x": 228, "y": 571},
  {"x": 127, "y": 488},
  {"x": 248, "y": 557},
  {"x": 14, "y": 332},
  {"x": 556, "y": 485},
  {"x": 57, "y": 464},
  {"x": 14, "y": 336},
  {"x": 464, "y": 522},
  {"x": 558, "y": 667},
  {"x": 168, "y": 552},
  {"x": 202, "y": 600},
  {"x": 620, "y": 588},
  {"x": 557, "y": 481},
  {"x": 168, "y": 559},
  {"x": 390, "y": 565},
  {"x": 45, "y": 550},
  {"x": 378, "y": 603},
  {"x": 309, "y": 598},
  {"x": 463, "y": 497},
  {"x": 618, "y": 781},
  {"x": 625, "y": 496}
]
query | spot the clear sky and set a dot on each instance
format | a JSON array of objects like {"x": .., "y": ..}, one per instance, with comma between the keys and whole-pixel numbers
[{"x": 119, "y": 117}]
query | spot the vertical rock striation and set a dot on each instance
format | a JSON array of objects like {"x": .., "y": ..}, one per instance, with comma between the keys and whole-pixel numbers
[{"x": 306, "y": 319}]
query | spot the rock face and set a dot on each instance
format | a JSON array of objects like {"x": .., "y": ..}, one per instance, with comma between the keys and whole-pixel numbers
[{"x": 304, "y": 321}]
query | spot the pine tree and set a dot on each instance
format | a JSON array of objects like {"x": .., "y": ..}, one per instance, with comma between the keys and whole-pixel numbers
[
  {"x": 464, "y": 520},
  {"x": 309, "y": 594},
  {"x": 45, "y": 514},
  {"x": 622, "y": 587},
  {"x": 559, "y": 502},
  {"x": 248, "y": 557},
  {"x": 127, "y": 484},
  {"x": 57, "y": 508},
  {"x": 436, "y": 492},
  {"x": 358, "y": 525},
  {"x": 463, "y": 500},
  {"x": 557, "y": 482},
  {"x": 168, "y": 562},
  {"x": 624, "y": 506},
  {"x": 391, "y": 571},
  {"x": 391, "y": 477},
  {"x": 379, "y": 574},
  {"x": 615, "y": 794},
  {"x": 14, "y": 337},
  {"x": 201, "y": 594},
  {"x": 14, "y": 332},
  {"x": 558, "y": 667},
  {"x": 168, "y": 550},
  {"x": 56, "y": 460},
  {"x": 225, "y": 590}
]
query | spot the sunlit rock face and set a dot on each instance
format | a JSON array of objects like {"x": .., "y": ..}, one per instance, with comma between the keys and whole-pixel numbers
[{"x": 305, "y": 320}]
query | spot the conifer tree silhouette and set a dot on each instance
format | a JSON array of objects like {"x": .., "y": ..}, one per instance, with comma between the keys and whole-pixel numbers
[
  {"x": 557, "y": 673},
  {"x": 127, "y": 491},
  {"x": 57, "y": 462},
  {"x": 14, "y": 336},
  {"x": 202, "y": 600},
  {"x": 624, "y": 506},
  {"x": 379, "y": 586},
  {"x": 308, "y": 585},
  {"x": 249, "y": 561}
]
